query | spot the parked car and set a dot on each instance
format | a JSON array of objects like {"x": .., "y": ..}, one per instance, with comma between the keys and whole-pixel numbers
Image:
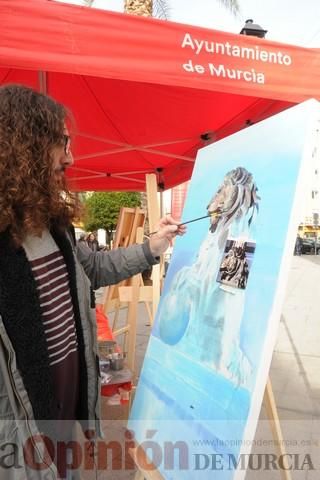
[{"x": 310, "y": 245}]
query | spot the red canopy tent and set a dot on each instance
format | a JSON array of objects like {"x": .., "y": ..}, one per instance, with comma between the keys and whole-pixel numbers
[{"x": 145, "y": 93}]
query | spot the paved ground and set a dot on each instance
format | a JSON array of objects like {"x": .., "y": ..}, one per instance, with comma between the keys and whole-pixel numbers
[
  {"x": 295, "y": 380},
  {"x": 295, "y": 374}
]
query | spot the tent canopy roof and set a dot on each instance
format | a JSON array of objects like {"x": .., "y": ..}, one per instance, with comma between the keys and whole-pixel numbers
[{"x": 145, "y": 93}]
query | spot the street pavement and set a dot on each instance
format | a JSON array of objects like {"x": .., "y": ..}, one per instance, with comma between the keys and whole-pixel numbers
[
  {"x": 295, "y": 380},
  {"x": 295, "y": 377}
]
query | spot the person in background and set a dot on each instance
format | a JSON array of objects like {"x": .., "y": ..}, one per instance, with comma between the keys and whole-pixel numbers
[
  {"x": 92, "y": 242},
  {"x": 48, "y": 351},
  {"x": 82, "y": 238},
  {"x": 298, "y": 246}
]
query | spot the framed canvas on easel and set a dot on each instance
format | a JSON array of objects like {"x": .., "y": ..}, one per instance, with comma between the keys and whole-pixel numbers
[{"x": 207, "y": 363}]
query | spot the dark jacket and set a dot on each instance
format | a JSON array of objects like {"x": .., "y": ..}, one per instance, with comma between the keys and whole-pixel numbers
[{"x": 26, "y": 392}]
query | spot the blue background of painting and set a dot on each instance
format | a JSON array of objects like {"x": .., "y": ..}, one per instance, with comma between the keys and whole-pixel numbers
[{"x": 173, "y": 386}]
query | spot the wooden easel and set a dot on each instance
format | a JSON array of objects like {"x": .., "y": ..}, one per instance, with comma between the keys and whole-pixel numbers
[
  {"x": 130, "y": 220},
  {"x": 271, "y": 409},
  {"x": 130, "y": 295},
  {"x": 154, "y": 217},
  {"x": 272, "y": 413},
  {"x": 132, "y": 291}
]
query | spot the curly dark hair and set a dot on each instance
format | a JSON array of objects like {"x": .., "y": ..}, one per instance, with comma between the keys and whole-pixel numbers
[{"x": 31, "y": 198}]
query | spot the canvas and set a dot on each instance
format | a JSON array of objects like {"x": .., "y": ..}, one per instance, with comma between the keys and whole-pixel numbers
[{"x": 207, "y": 362}]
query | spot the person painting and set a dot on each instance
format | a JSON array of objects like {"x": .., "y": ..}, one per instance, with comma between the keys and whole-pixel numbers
[{"x": 48, "y": 351}]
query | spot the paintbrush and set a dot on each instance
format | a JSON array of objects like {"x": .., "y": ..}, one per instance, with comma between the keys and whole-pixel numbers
[{"x": 209, "y": 215}]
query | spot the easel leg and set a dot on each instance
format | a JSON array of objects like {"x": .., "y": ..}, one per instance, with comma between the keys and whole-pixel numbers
[
  {"x": 271, "y": 409},
  {"x": 116, "y": 317},
  {"x": 146, "y": 303},
  {"x": 132, "y": 322},
  {"x": 139, "y": 476},
  {"x": 154, "y": 216},
  {"x": 150, "y": 473},
  {"x": 148, "y": 312}
]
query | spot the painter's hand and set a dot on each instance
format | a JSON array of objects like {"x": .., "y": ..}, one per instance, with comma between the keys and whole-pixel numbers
[{"x": 166, "y": 230}]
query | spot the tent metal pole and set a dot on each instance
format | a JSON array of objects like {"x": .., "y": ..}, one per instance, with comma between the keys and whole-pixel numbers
[{"x": 42, "y": 76}]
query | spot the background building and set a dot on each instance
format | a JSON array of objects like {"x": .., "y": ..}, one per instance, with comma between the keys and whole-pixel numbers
[{"x": 309, "y": 225}]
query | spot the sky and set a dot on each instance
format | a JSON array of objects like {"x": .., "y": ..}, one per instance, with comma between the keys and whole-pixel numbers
[{"x": 287, "y": 21}]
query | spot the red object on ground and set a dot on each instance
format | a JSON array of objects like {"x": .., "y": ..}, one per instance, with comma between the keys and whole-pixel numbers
[
  {"x": 110, "y": 390},
  {"x": 104, "y": 333},
  {"x": 146, "y": 101}
]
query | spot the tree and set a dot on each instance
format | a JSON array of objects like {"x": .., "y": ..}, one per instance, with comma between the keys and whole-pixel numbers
[
  {"x": 102, "y": 209},
  {"x": 160, "y": 8},
  {"x": 231, "y": 5},
  {"x": 147, "y": 8}
]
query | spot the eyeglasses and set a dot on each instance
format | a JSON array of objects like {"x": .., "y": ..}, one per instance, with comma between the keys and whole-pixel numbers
[{"x": 67, "y": 144}]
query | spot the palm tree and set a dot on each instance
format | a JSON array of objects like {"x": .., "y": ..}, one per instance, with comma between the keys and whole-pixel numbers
[
  {"x": 143, "y": 8},
  {"x": 147, "y": 8},
  {"x": 160, "y": 8}
]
